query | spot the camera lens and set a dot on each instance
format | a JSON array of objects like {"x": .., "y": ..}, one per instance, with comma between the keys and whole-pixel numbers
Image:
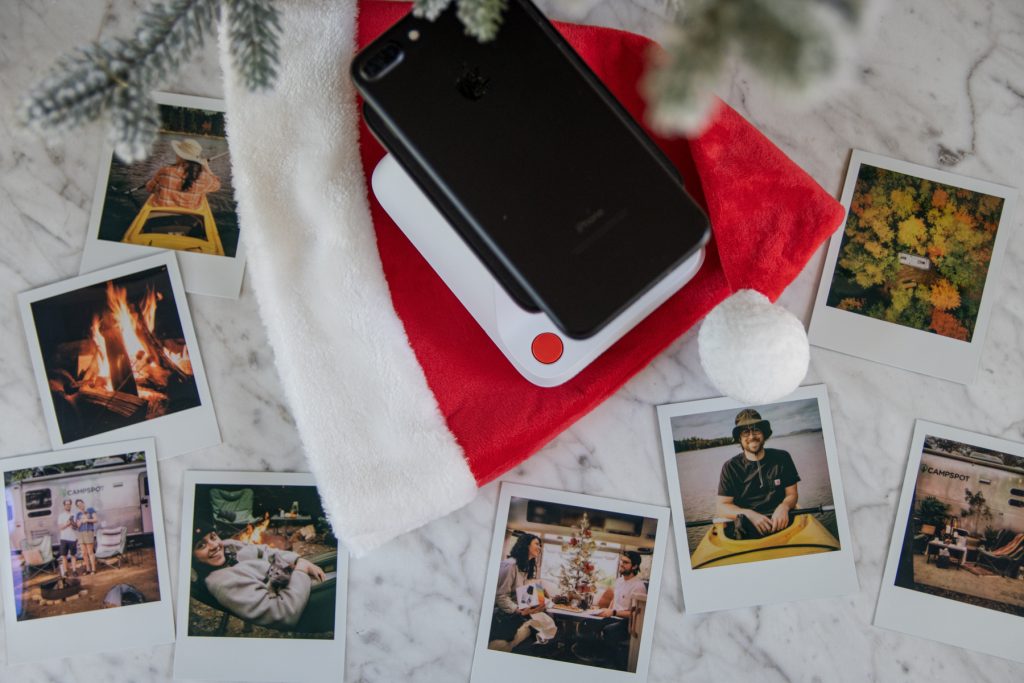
[{"x": 382, "y": 61}]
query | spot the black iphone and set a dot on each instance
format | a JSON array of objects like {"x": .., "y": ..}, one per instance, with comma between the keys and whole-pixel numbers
[{"x": 544, "y": 174}]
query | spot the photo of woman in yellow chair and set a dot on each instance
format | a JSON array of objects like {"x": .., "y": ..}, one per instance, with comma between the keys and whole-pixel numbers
[
  {"x": 177, "y": 214},
  {"x": 180, "y": 197}
]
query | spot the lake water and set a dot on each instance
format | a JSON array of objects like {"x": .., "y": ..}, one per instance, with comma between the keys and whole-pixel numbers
[{"x": 699, "y": 472}]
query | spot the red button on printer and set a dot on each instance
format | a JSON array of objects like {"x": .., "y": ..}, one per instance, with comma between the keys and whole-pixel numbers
[{"x": 547, "y": 347}]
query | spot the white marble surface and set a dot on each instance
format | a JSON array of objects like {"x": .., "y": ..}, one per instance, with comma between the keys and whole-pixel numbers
[{"x": 939, "y": 83}]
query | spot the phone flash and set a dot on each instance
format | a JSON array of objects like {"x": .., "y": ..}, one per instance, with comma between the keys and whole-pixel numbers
[{"x": 414, "y": 35}]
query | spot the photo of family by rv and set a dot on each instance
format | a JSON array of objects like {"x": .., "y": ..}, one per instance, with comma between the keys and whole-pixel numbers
[
  {"x": 572, "y": 584},
  {"x": 964, "y": 537},
  {"x": 754, "y": 483},
  {"x": 264, "y": 563},
  {"x": 81, "y": 536}
]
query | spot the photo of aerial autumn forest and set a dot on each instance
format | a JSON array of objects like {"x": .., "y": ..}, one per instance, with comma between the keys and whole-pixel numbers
[{"x": 915, "y": 252}]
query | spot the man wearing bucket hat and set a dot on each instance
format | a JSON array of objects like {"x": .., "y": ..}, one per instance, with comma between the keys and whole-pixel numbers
[
  {"x": 757, "y": 489},
  {"x": 187, "y": 181}
]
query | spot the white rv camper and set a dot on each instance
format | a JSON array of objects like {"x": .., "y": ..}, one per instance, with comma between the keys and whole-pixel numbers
[{"x": 119, "y": 492}]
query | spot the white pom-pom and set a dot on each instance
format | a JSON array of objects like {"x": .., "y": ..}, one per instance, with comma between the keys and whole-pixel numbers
[{"x": 752, "y": 350}]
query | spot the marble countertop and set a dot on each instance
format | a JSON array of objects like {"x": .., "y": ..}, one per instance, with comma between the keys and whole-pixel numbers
[{"x": 938, "y": 83}]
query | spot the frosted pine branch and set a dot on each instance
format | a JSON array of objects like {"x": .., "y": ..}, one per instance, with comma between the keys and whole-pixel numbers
[
  {"x": 795, "y": 44},
  {"x": 117, "y": 74},
  {"x": 134, "y": 121},
  {"x": 429, "y": 9},
  {"x": 253, "y": 28},
  {"x": 482, "y": 18}
]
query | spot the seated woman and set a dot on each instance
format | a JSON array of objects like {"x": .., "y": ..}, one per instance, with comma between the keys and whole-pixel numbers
[
  {"x": 251, "y": 581},
  {"x": 187, "y": 180},
  {"x": 510, "y": 623}
]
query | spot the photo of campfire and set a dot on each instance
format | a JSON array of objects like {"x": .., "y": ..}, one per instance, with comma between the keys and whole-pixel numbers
[
  {"x": 114, "y": 354},
  {"x": 81, "y": 536},
  {"x": 264, "y": 563}
]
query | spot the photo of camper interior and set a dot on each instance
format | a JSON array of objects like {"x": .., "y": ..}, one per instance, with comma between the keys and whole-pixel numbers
[
  {"x": 965, "y": 536},
  {"x": 81, "y": 536},
  {"x": 573, "y": 584}
]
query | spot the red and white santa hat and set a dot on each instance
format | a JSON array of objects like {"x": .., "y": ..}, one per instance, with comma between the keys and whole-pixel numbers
[{"x": 403, "y": 404}]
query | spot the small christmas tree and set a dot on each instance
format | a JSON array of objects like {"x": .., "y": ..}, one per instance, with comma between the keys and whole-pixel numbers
[{"x": 578, "y": 576}]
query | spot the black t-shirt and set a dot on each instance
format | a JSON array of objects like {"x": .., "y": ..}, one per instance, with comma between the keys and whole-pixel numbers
[{"x": 761, "y": 485}]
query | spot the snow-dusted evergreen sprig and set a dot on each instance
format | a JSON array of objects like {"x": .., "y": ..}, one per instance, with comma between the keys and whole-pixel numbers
[
  {"x": 430, "y": 9},
  {"x": 795, "y": 44},
  {"x": 117, "y": 75},
  {"x": 253, "y": 28},
  {"x": 134, "y": 121},
  {"x": 482, "y": 18}
]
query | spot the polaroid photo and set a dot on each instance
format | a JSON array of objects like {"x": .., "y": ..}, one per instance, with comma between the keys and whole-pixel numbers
[
  {"x": 955, "y": 571},
  {"x": 262, "y": 580},
  {"x": 908, "y": 281},
  {"x": 88, "y": 570},
  {"x": 757, "y": 501},
  {"x": 115, "y": 357},
  {"x": 572, "y": 588},
  {"x": 180, "y": 198}
]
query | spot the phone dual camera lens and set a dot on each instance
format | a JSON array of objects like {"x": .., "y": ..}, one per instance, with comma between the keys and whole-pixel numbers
[{"x": 382, "y": 61}]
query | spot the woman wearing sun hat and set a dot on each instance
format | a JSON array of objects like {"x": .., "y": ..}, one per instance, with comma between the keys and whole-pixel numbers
[{"x": 187, "y": 181}]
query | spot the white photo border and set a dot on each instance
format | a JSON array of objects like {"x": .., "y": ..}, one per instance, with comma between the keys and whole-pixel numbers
[
  {"x": 934, "y": 617},
  {"x": 491, "y": 666},
  {"x": 101, "y": 630},
  {"x": 177, "y": 433},
  {"x": 897, "y": 345},
  {"x": 253, "y": 659},
  {"x": 786, "y": 579},
  {"x": 202, "y": 273}
]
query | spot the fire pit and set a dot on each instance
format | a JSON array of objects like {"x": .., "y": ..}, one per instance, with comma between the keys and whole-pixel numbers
[{"x": 61, "y": 589}]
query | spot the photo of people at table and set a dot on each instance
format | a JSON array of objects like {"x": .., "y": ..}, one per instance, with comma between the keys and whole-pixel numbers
[
  {"x": 263, "y": 563},
  {"x": 755, "y": 483},
  {"x": 964, "y": 536},
  {"x": 81, "y": 536},
  {"x": 572, "y": 584}
]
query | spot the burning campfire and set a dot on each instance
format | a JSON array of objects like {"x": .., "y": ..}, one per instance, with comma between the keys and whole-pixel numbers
[
  {"x": 254, "y": 534},
  {"x": 122, "y": 367},
  {"x": 259, "y": 534}
]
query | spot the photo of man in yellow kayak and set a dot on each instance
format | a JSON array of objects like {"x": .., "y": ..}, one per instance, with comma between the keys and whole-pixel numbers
[
  {"x": 757, "y": 489},
  {"x": 760, "y": 503}
]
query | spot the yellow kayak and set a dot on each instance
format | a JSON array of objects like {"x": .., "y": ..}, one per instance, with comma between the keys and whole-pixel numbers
[
  {"x": 173, "y": 227},
  {"x": 805, "y": 536}
]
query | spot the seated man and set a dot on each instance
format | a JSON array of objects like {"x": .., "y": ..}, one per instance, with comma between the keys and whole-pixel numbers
[
  {"x": 757, "y": 489},
  {"x": 618, "y": 602}
]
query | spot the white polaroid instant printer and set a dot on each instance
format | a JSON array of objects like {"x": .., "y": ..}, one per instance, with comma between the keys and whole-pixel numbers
[{"x": 531, "y": 341}]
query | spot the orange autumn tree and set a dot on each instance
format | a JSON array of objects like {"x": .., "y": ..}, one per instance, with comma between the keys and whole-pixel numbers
[
  {"x": 945, "y": 324},
  {"x": 915, "y": 252}
]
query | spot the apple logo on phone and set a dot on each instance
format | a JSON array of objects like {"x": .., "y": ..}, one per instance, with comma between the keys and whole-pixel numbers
[{"x": 471, "y": 84}]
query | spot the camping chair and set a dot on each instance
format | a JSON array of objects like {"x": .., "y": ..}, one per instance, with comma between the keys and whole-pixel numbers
[
  {"x": 111, "y": 544},
  {"x": 38, "y": 555},
  {"x": 924, "y": 535},
  {"x": 320, "y": 594},
  {"x": 232, "y": 509},
  {"x": 1006, "y": 564}
]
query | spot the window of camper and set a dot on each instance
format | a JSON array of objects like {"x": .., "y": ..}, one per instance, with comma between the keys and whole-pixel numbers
[{"x": 37, "y": 500}]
